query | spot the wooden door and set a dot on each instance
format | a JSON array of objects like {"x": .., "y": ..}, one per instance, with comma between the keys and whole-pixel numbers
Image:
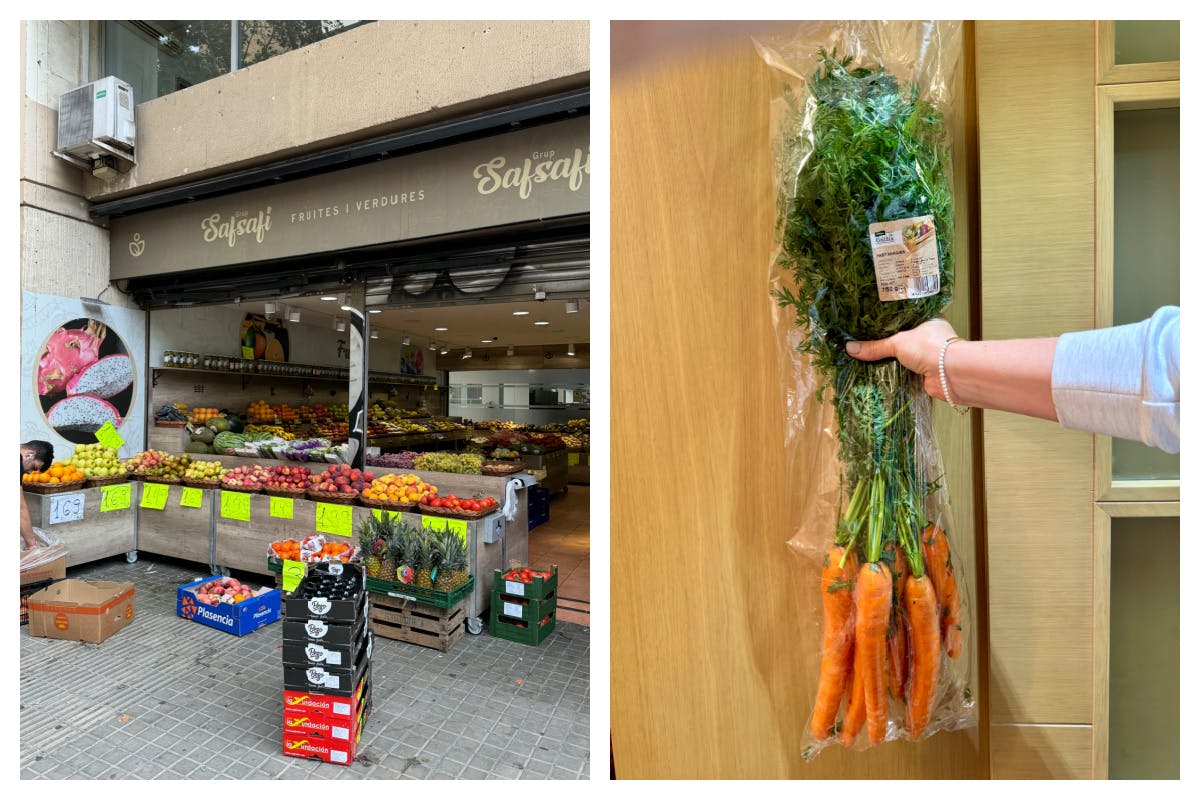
[{"x": 714, "y": 651}]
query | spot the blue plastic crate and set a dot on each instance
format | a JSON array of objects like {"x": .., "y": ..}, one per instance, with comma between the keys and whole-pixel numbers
[{"x": 538, "y": 516}]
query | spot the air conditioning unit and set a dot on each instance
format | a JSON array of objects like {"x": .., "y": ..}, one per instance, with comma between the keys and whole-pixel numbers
[{"x": 95, "y": 122}]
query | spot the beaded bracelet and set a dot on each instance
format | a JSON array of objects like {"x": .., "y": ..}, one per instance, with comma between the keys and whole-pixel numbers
[{"x": 942, "y": 375}]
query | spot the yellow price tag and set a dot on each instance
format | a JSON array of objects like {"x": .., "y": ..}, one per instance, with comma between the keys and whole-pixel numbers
[
  {"x": 115, "y": 497},
  {"x": 572, "y": 459},
  {"x": 335, "y": 518},
  {"x": 154, "y": 495},
  {"x": 248, "y": 352},
  {"x": 393, "y": 515},
  {"x": 293, "y": 573},
  {"x": 434, "y": 523},
  {"x": 108, "y": 436},
  {"x": 235, "y": 505},
  {"x": 458, "y": 526},
  {"x": 282, "y": 507},
  {"x": 191, "y": 497}
]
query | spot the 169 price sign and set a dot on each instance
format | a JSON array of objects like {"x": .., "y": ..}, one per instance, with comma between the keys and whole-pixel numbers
[{"x": 66, "y": 507}]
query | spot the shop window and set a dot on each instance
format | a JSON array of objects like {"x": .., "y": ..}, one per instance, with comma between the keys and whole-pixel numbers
[
  {"x": 1146, "y": 41},
  {"x": 158, "y": 57}
]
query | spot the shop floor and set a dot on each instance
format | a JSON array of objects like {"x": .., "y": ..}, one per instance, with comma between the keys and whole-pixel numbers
[
  {"x": 566, "y": 540},
  {"x": 167, "y": 698}
]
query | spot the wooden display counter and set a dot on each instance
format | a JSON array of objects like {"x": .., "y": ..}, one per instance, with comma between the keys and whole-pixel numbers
[
  {"x": 176, "y": 530},
  {"x": 579, "y": 465},
  {"x": 555, "y": 465},
  {"x": 96, "y": 534}
]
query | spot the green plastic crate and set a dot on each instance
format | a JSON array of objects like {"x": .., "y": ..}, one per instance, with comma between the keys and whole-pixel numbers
[
  {"x": 533, "y": 635},
  {"x": 512, "y": 608},
  {"x": 432, "y": 597},
  {"x": 539, "y": 589}
]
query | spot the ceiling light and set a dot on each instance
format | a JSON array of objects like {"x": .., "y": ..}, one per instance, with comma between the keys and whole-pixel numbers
[
  {"x": 541, "y": 322},
  {"x": 441, "y": 329},
  {"x": 269, "y": 308},
  {"x": 294, "y": 315},
  {"x": 510, "y": 349},
  {"x": 346, "y": 303},
  {"x": 520, "y": 313},
  {"x": 572, "y": 306},
  {"x": 445, "y": 350},
  {"x": 341, "y": 324},
  {"x": 375, "y": 311},
  {"x": 406, "y": 341},
  {"x": 375, "y": 335},
  {"x": 432, "y": 344},
  {"x": 570, "y": 349},
  {"x": 329, "y": 297},
  {"x": 466, "y": 354}
]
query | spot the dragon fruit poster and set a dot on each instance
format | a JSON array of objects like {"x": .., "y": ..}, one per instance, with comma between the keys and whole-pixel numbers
[{"x": 81, "y": 368}]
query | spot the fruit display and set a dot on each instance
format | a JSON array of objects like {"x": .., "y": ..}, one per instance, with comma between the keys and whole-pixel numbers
[
  {"x": 260, "y": 411},
  {"x": 445, "y": 425},
  {"x": 96, "y": 460},
  {"x": 499, "y": 425},
  {"x": 393, "y": 460},
  {"x": 339, "y": 410},
  {"x": 250, "y": 478},
  {"x": 230, "y": 443},
  {"x": 57, "y": 472},
  {"x": 452, "y": 504},
  {"x": 342, "y": 479},
  {"x": 397, "y": 551},
  {"x": 286, "y": 414},
  {"x": 226, "y": 590},
  {"x": 574, "y": 442},
  {"x": 288, "y": 478},
  {"x": 271, "y": 430},
  {"x": 204, "y": 471},
  {"x": 398, "y": 489},
  {"x": 503, "y": 453},
  {"x": 314, "y": 548},
  {"x": 525, "y": 575},
  {"x": 314, "y": 413},
  {"x": 336, "y": 431},
  {"x": 459, "y": 463},
  {"x": 158, "y": 464},
  {"x": 307, "y": 450},
  {"x": 202, "y": 415}
]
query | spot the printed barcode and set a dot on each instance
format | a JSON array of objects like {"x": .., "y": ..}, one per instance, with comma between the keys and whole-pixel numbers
[{"x": 924, "y": 287}]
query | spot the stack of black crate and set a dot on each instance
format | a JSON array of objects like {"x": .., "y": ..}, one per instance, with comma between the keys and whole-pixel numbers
[{"x": 326, "y": 664}]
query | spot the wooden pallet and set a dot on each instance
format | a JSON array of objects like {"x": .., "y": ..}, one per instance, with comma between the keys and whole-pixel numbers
[{"x": 418, "y": 623}]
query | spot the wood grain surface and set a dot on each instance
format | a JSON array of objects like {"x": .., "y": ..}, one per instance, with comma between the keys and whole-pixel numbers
[
  {"x": 1038, "y": 277},
  {"x": 98, "y": 535},
  {"x": 715, "y": 624},
  {"x": 178, "y": 531}
]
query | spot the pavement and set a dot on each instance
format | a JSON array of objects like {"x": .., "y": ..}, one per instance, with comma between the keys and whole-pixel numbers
[{"x": 168, "y": 698}]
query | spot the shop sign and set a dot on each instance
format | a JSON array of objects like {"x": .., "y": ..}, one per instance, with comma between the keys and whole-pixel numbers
[{"x": 527, "y": 175}]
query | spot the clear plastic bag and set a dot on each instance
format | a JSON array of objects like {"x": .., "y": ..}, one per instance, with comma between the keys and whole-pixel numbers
[
  {"x": 861, "y": 140},
  {"x": 49, "y": 549}
]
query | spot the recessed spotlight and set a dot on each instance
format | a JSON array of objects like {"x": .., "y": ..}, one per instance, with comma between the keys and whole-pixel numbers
[
  {"x": 441, "y": 329},
  {"x": 329, "y": 297},
  {"x": 520, "y": 313},
  {"x": 406, "y": 341},
  {"x": 570, "y": 349},
  {"x": 375, "y": 311},
  {"x": 541, "y": 322},
  {"x": 375, "y": 335},
  {"x": 572, "y": 306},
  {"x": 445, "y": 350},
  {"x": 432, "y": 344},
  {"x": 341, "y": 325},
  {"x": 294, "y": 316}
]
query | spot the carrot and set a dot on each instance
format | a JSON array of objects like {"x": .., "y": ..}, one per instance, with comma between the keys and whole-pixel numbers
[
  {"x": 897, "y": 639},
  {"x": 920, "y": 603},
  {"x": 936, "y": 550},
  {"x": 856, "y": 709},
  {"x": 837, "y": 649},
  {"x": 873, "y": 608}
]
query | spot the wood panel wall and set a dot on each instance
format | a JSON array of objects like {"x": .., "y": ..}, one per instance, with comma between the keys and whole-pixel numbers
[
  {"x": 1035, "y": 89},
  {"x": 715, "y": 626}
]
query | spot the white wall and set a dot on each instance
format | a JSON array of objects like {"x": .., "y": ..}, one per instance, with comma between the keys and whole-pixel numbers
[{"x": 508, "y": 391}]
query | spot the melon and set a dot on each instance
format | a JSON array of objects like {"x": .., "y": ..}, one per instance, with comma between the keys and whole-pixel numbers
[
  {"x": 218, "y": 424},
  {"x": 104, "y": 378},
  {"x": 204, "y": 435},
  {"x": 85, "y": 413},
  {"x": 197, "y": 447}
]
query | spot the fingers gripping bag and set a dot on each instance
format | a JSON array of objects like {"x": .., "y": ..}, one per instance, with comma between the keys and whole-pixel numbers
[{"x": 865, "y": 234}]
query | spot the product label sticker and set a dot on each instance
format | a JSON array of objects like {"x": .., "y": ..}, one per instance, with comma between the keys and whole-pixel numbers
[
  {"x": 247, "y": 352},
  {"x": 282, "y": 507},
  {"x": 293, "y": 573},
  {"x": 458, "y": 526},
  {"x": 336, "y": 519},
  {"x": 108, "y": 436},
  {"x": 319, "y": 605},
  {"x": 66, "y": 507},
  {"x": 235, "y": 505},
  {"x": 335, "y": 568},
  {"x": 338, "y": 756},
  {"x": 339, "y": 733},
  {"x": 114, "y": 498},
  {"x": 433, "y": 523},
  {"x": 514, "y": 610},
  {"x": 341, "y": 709},
  {"x": 154, "y": 495},
  {"x": 314, "y": 627},
  {"x": 314, "y": 652},
  {"x": 514, "y": 587},
  {"x": 906, "y": 258},
  {"x": 572, "y": 459},
  {"x": 191, "y": 497}
]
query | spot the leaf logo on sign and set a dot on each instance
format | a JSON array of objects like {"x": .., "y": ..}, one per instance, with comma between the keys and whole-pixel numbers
[{"x": 137, "y": 246}]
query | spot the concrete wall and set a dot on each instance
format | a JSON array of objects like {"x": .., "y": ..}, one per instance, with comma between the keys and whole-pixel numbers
[{"x": 380, "y": 77}]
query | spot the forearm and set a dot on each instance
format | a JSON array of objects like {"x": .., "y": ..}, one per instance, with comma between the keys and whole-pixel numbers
[{"x": 1005, "y": 375}]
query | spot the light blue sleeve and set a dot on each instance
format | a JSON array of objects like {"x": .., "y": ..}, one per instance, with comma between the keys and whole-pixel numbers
[{"x": 1122, "y": 381}]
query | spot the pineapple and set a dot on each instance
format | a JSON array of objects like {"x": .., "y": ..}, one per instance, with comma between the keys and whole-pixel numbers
[
  {"x": 422, "y": 558},
  {"x": 370, "y": 538},
  {"x": 453, "y": 571},
  {"x": 400, "y": 552}
]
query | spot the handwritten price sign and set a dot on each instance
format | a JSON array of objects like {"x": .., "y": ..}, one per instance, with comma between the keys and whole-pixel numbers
[
  {"x": 66, "y": 507},
  {"x": 458, "y": 526},
  {"x": 293, "y": 573},
  {"x": 114, "y": 498},
  {"x": 191, "y": 497},
  {"x": 434, "y": 523},
  {"x": 154, "y": 495},
  {"x": 108, "y": 436},
  {"x": 283, "y": 508},
  {"x": 235, "y": 505},
  {"x": 335, "y": 519},
  {"x": 395, "y": 516}
]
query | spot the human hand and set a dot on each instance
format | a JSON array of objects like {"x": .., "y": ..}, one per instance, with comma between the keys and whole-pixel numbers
[{"x": 917, "y": 349}]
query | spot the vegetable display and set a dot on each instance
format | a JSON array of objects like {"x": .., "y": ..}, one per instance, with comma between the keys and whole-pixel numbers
[{"x": 866, "y": 231}]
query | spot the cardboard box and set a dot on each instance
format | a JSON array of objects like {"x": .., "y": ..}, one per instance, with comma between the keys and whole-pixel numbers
[
  {"x": 341, "y": 681},
  {"x": 326, "y": 726},
  {"x": 327, "y": 704},
  {"x": 308, "y": 654},
  {"x": 55, "y": 570},
  {"x": 236, "y": 618},
  {"x": 330, "y": 634},
  {"x": 84, "y": 611},
  {"x": 346, "y": 611},
  {"x": 332, "y": 751}
]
